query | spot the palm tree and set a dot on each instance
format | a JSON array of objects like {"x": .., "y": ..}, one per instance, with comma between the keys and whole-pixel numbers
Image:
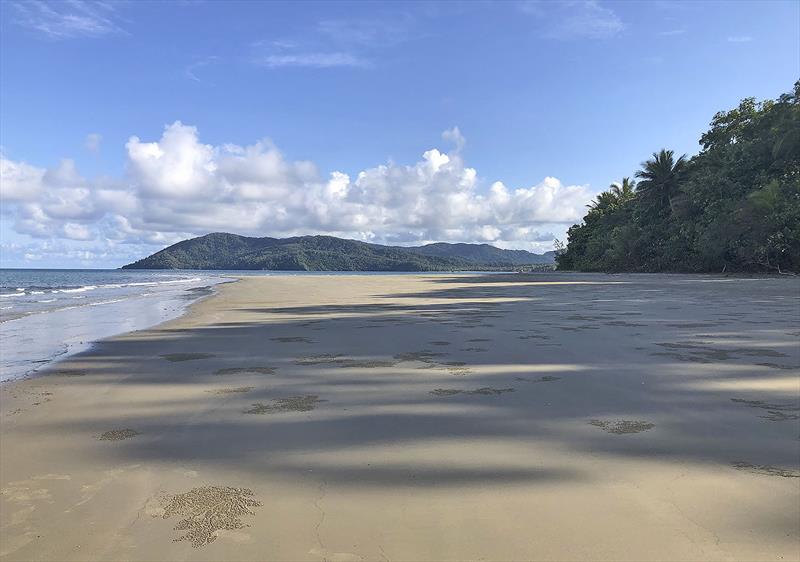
[
  {"x": 623, "y": 191},
  {"x": 604, "y": 200},
  {"x": 660, "y": 176}
]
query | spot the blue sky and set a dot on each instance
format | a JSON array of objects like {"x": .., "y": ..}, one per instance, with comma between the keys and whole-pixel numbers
[{"x": 126, "y": 126}]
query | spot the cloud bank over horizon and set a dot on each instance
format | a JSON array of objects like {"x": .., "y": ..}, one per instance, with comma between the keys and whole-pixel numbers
[{"x": 177, "y": 187}]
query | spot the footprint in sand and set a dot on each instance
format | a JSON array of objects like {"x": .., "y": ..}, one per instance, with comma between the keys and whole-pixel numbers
[
  {"x": 242, "y": 370},
  {"x": 207, "y": 510},
  {"x": 292, "y": 339},
  {"x": 118, "y": 434},
  {"x": 175, "y": 357},
  {"x": 766, "y": 470},
  {"x": 304, "y": 403},
  {"x": 485, "y": 391},
  {"x": 622, "y": 427}
]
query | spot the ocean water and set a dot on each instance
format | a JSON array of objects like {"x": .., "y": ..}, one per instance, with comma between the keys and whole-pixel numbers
[
  {"x": 49, "y": 314},
  {"x": 46, "y": 315}
]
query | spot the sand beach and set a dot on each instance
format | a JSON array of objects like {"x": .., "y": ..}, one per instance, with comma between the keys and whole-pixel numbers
[{"x": 421, "y": 417}]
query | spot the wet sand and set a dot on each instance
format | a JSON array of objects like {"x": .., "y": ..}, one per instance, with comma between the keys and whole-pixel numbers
[{"x": 528, "y": 417}]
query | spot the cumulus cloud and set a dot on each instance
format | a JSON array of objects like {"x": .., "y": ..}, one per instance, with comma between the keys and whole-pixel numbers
[{"x": 178, "y": 186}]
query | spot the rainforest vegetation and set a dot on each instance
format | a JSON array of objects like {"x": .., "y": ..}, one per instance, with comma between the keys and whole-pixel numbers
[{"x": 735, "y": 206}]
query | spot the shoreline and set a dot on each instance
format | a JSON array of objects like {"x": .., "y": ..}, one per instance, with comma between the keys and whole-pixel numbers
[
  {"x": 420, "y": 417},
  {"x": 171, "y": 307}
]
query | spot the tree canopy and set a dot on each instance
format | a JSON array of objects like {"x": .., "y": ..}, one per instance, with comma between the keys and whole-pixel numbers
[{"x": 735, "y": 206}]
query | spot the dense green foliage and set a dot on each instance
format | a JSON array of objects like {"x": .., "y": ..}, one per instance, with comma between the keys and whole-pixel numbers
[
  {"x": 735, "y": 206},
  {"x": 326, "y": 253}
]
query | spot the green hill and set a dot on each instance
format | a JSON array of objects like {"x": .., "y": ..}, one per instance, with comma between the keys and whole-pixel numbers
[{"x": 327, "y": 253}]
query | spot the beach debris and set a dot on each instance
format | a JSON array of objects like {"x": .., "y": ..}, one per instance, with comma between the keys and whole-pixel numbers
[
  {"x": 304, "y": 403},
  {"x": 766, "y": 470},
  {"x": 621, "y": 427},
  {"x": 207, "y": 510},
  {"x": 118, "y": 434},
  {"x": 175, "y": 357},
  {"x": 240, "y": 370}
]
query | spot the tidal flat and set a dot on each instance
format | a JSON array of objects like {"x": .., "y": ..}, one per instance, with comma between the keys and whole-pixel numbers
[{"x": 398, "y": 420}]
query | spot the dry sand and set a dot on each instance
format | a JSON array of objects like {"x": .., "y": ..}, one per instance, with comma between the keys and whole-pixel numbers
[{"x": 538, "y": 417}]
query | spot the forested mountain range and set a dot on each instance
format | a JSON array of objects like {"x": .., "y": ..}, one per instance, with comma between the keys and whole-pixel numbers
[{"x": 326, "y": 253}]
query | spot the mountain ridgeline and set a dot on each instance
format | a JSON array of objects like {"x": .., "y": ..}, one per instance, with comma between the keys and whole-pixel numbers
[{"x": 326, "y": 253}]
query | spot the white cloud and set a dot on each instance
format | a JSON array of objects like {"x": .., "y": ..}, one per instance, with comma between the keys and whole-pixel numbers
[
  {"x": 92, "y": 142},
  {"x": 739, "y": 39},
  {"x": 177, "y": 186},
  {"x": 673, "y": 32},
  {"x": 454, "y": 135},
  {"x": 575, "y": 19},
  {"x": 68, "y": 19},
  {"x": 311, "y": 60}
]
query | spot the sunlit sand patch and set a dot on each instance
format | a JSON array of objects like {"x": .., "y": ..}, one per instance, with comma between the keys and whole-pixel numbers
[
  {"x": 208, "y": 510},
  {"x": 485, "y": 391},
  {"x": 237, "y": 390},
  {"x": 304, "y": 403},
  {"x": 766, "y": 470},
  {"x": 426, "y": 357},
  {"x": 621, "y": 427},
  {"x": 292, "y": 339},
  {"x": 242, "y": 370},
  {"x": 341, "y": 361},
  {"x": 118, "y": 434},
  {"x": 175, "y": 357},
  {"x": 723, "y": 336}
]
